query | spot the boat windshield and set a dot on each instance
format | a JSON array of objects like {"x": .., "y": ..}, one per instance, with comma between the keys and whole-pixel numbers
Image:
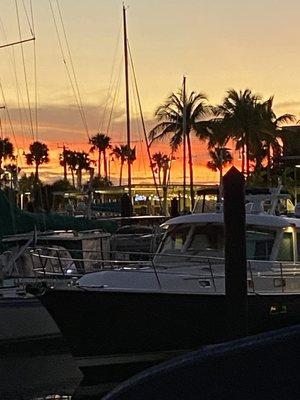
[
  {"x": 175, "y": 239},
  {"x": 208, "y": 240},
  {"x": 259, "y": 243}
]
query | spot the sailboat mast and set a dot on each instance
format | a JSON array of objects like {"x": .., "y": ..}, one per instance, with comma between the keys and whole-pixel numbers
[
  {"x": 127, "y": 98},
  {"x": 184, "y": 141}
]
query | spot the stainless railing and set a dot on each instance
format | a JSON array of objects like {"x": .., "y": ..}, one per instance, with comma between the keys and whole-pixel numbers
[{"x": 263, "y": 276}]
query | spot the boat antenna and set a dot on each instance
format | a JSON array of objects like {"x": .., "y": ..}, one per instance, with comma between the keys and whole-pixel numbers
[{"x": 127, "y": 98}]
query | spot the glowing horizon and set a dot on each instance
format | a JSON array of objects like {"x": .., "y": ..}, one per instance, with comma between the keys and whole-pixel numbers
[{"x": 218, "y": 46}]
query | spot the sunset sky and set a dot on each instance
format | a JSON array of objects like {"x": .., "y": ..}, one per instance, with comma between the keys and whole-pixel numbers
[{"x": 217, "y": 45}]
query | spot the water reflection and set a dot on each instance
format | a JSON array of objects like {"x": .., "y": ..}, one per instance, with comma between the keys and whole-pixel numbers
[{"x": 54, "y": 397}]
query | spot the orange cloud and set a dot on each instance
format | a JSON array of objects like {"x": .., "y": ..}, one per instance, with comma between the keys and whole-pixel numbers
[{"x": 61, "y": 125}]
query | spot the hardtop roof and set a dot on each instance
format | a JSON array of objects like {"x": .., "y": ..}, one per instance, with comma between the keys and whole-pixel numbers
[{"x": 262, "y": 219}]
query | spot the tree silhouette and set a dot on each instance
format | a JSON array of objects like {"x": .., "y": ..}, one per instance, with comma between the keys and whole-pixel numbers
[
  {"x": 251, "y": 122},
  {"x": 26, "y": 182},
  {"x": 124, "y": 154},
  {"x": 71, "y": 161},
  {"x": 83, "y": 162},
  {"x": 38, "y": 155},
  {"x": 170, "y": 118},
  {"x": 271, "y": 133},
  {"x": 12, "y": 170},
  {"x": 6, "y": 150},
  {"x": 220, "y": 157},
  {"x": 101, "y": 142},
  {"x": 161, "y": 163},
  {"x": 241, "y": 116}
]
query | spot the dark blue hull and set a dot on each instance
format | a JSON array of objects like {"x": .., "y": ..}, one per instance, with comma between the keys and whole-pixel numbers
[{"x": 116, "y": 334}]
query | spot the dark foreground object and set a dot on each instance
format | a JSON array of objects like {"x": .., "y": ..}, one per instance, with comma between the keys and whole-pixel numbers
[
  {"x": 29, "y": 376},
  {"x": 235, "y": 251},
  {"x": 114, "y": 335},
  {"x": 260, "y": 367}
]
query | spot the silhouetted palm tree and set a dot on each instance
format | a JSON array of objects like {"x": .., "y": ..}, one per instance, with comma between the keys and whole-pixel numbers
[
  {"x": 120, "y": 153},
  {"x": 83, "y": 162},
  {"x": 26, "y": 182},
  {"x": 38, "y": 155},
  {"x": 71, "y": 161},
  {"x": 124, "y": 154},
  {"x": 271, "y": 129},
  {"x": 220, "y": 157},
  {"x": 6, "y": 150},
  {"x": 130, "y": 154},
  {"x": 170, "y": 117},
  {"x": 13, "y": 170},
  {"x": 161, "y": 163},
  {"x": 63, "y": 161},
  {"x": 101, "y": 142},
  {"x": 241, "y": 112}
]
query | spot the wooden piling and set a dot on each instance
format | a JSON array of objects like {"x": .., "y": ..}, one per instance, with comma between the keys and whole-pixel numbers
[{"x": 235, "y": 253}]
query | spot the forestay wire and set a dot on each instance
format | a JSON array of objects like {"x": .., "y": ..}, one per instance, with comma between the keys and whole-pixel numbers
[
  {"x": 24, "y": 71},
  {"x": 73, "y": 80},
  {"x": 144, "y": 126}
]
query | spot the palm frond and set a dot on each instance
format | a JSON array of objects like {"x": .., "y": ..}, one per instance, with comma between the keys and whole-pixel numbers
[
  {"x": 176, "y": 140},
  {"x": 160, "y": 131},
  {"x": 285, "y": 118}
]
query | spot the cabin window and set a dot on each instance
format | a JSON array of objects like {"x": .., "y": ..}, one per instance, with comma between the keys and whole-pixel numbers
[
  {"x": 285, "y": 252},
  {"x": 207, "y": 238},
  {"x": 259, "y": 244},
  {"x": 175, "y": 239}
]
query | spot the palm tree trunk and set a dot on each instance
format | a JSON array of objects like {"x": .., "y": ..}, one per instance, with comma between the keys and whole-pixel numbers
[
  {"x": 243, "y": 160},
  {"x": 73, "y": 177},
  {"x": 269, "y": 164},
  {"x": 36, "y": 176},
  {"x": 159, "y": 175},
  {"x": 79, "y": 178},
  {"x": 121, "y": 171},
  {"x": 247, "y": 156},
  {"x": 99, "y": 163},
  {"x": 221, "y": 183},
  {"x": 105, "y": 163},
  {"x": 191, "y": 171}
]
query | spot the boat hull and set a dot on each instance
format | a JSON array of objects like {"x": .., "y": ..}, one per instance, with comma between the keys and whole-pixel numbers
[{"x": 114, "y": 334}]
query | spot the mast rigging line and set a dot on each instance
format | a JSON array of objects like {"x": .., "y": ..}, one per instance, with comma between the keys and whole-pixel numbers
[
  {"x": 144, "y": 126},
  {"x": 17, "y": 42},
  {"x": 77, "y": 95},
  {"x": 111, "y": 84},
  {"x": 127, "y": 98},
  {"x": 9, "y": 118},
  {"x": 115, "y": 97},
  {"x": 24, "y": 70},
  {"x": 137, "y": 123},
  {"x": 32, "y": 29},
  {"x": 20, "y": 99},
  {"x": 13, "y": 61},
  {"x": 71, "y": 62},
  {"x": 31, "y": 25}
]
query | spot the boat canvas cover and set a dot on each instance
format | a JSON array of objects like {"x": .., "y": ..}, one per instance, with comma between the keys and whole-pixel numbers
[{"x": 13, "y": 220}]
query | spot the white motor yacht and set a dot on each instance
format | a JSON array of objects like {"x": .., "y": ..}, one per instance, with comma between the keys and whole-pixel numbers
[{"x": 119, "y": 320}]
